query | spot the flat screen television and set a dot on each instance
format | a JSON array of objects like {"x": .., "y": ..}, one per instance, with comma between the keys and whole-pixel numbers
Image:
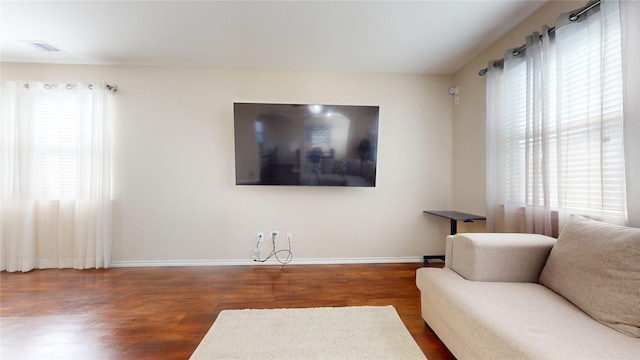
[{"x": 306, "y": 145}]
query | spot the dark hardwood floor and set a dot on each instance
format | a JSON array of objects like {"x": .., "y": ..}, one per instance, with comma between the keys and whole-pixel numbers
[{"x": 164, "y": 312}]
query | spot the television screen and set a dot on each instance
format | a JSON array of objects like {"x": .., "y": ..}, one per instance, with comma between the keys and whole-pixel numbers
[{"x": 308, "y": 145}]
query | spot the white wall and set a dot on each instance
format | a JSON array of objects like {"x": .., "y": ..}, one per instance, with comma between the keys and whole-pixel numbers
[
  {"x": 175, "y": 194},
  {"x": 469, "y": 181}
]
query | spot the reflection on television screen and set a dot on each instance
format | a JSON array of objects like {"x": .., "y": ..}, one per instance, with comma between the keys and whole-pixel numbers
[{"x": 310, "y": 145}]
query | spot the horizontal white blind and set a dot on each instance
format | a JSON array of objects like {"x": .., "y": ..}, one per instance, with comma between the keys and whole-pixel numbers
[
  {"x": 590, "y": 112},
  {"x": 514, "y": 128},
  {"x": 560, "y": 119},
  {"x": 57, "y": 143}
]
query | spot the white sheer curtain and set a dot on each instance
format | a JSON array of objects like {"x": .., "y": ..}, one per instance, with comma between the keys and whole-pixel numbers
[
  {"x": 630, "y": 17},
  {"x": 55, "y": 184},
  {"x": 555, "y": 127}
]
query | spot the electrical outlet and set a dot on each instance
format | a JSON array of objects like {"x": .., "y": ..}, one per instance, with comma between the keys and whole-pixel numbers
[
  {"x": 275, "y": 233},
  {"x": 289, "y": 236},
  {"x": 260, "y": 237}
]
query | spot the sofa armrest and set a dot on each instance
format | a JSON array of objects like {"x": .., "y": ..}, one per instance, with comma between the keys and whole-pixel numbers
[{"x": 498, "y": 256}]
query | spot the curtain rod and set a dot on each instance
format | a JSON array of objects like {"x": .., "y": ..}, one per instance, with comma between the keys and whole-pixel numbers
[
  {"x": 109, "y": 87},
  {"x": 574, "y": 16}
]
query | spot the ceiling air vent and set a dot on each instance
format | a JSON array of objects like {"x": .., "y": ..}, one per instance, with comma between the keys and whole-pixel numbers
[{"x": 43, "y": 46}]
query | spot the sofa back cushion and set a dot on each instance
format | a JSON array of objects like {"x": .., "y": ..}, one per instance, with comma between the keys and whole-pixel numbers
[
  {"x": 326, "y": 166},
  {"x": 353, "y": 166},
  {"x": 596, "y": 266},
  {"x": 339, "y": 167}
]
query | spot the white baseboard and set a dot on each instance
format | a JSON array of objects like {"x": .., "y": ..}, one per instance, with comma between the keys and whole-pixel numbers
[{"x": 329, "y": 261}]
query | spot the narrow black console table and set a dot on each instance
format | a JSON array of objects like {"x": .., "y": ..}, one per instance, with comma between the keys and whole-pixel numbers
[{"x": 454, "y": 217}]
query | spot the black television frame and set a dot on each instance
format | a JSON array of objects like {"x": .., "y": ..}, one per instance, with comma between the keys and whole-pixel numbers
[{"x": 306, "y": 144}]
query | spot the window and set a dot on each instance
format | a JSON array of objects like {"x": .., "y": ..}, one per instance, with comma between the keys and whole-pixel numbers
[
  {"x": 56, "y": 140},
  {"x": 55, "y": 162},
  {"x": 590, "y": 118},
  {"x": 555, "y": 133},
  {"x": 56, "y": 146}
]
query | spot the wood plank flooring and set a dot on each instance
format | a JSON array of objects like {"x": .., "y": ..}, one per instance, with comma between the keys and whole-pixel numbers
[{"x": 164, "y": 312}]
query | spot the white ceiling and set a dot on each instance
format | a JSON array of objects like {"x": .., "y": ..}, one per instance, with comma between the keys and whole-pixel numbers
[{"x": 354, "y": 36}]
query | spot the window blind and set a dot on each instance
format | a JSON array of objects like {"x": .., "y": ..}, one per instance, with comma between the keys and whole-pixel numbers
[
  {"x": 590, "y": 117},
  {"x": 57, "y": 145},
  {"x": 575, "y": 158}
]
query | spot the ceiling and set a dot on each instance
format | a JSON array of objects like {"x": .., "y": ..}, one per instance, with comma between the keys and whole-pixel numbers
[{"x": 436, "y": 37}]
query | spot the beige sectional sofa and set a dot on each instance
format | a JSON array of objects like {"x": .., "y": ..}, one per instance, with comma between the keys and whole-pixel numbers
[
  {"x": 345, "y": 172},
  {"x": 524, "y": 296}
]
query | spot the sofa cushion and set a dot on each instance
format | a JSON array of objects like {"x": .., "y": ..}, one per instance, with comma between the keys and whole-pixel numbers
[
  {"x": 326, "y": 166},
  {"x": 354, "y": 180},
  {"x": 339, "y": 167},
  {"x": 353, "y": 167},
  {"x": 507, "y": 320},
  {"x": 331, "y": 179},
  {"x": 596, "y": 266}
]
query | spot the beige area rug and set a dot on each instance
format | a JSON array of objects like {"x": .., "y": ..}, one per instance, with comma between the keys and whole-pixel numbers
[{"x": 361, "y": 332}]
